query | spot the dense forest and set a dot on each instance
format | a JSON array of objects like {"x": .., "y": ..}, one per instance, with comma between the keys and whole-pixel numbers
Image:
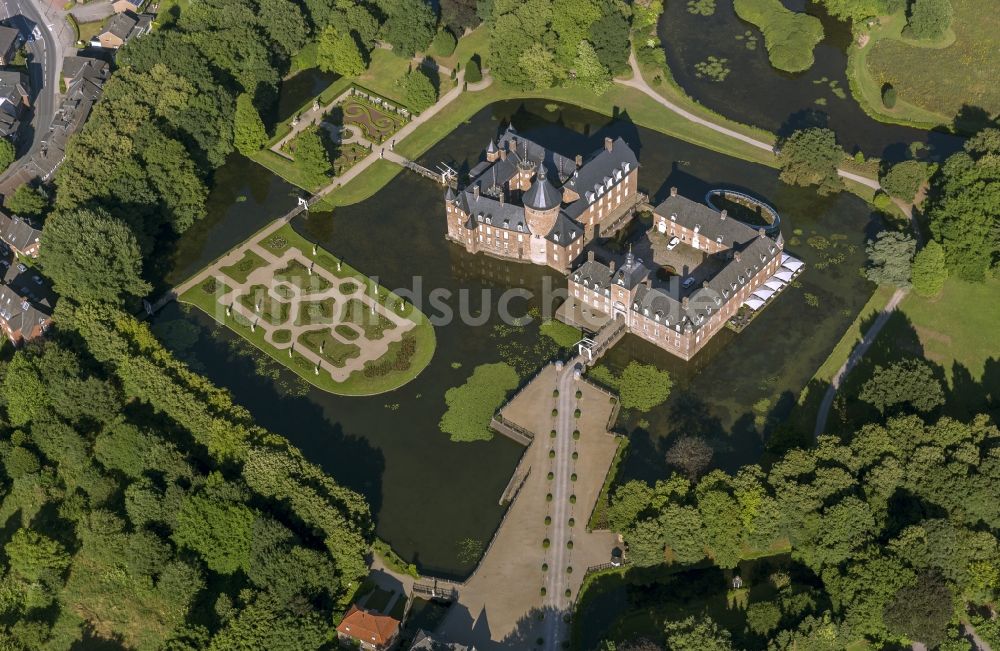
[{"x": 898, "y": 523}]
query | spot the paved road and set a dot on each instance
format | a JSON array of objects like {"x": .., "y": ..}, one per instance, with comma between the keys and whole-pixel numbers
[
  {"x": 46, "y": 61},
  {"x": 639, "y": 83},
  {"x": 559, "y": 556}
]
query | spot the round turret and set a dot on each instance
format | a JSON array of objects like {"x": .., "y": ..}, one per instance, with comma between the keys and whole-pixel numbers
[{"x": 541, "y": 205}]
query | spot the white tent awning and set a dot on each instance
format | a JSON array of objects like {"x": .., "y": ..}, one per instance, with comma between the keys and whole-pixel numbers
[
  {"x": 775, "y": 284},
  {"x": 792, "y": 264},
  {"x": 784, "y": 256},
  {"x": 784, "y": 276},
  {"x": 753, "y": 303},
  {"x": 764, "y": 293}
]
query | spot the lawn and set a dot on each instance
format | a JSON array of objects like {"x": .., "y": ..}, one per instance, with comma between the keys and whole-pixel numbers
[
  {"x": 385, "y": 73},
  {"x": 271, "y": 310},
  {"x": 244, "y": 267},
  {"x": 332, "y": 350},
  {"x": 403, "y": 361},
  {"x": 373, "y": 325},
  {"x": 90, "y": 30},
  {"x": 317, "y": 313},
  {"x": 933, "y": 80},
  {"x": 959, "y": 327}
]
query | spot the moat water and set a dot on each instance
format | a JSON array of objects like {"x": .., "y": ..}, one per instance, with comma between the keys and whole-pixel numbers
[
  {"x": 429, "y": 494},
  {"x": 754, "y": 92}
]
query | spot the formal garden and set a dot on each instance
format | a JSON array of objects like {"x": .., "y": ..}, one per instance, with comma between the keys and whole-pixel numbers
[{"x": 317, "y": 315}]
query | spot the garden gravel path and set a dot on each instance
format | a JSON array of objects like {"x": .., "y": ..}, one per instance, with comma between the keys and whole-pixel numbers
[{"x": 369, "y": 349}]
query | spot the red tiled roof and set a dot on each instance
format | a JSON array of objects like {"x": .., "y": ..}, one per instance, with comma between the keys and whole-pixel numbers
[{"x": 369, "y": 627}]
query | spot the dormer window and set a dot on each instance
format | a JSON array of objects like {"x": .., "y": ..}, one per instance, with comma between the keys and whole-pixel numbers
[
  {"x": 555, "y": 236},
  {"x": 697, "y": 228},
  {"x": 600, "y": 190},
  {"x": 520, "y": 228},
  {"x": 673, "y": 217},
  {"x": 718, "y": 301},
  {"x": 607, "y": 292},
  {"x": 618, "y": 175},
  {"x": 719, "y": 239},
  {"x": 626, "y": 166},
  {"x": 742, "y": 280},
  {"x": 590, "y": 196},
  {"x": 479, "y": 216},
  {"x": 635, "y": 306},
  {"x": 576, "y": 277},
  {"x": 645, "y": 311},
  {"x": 607, "y": 182},
  {"x": 733, "y": 285}
]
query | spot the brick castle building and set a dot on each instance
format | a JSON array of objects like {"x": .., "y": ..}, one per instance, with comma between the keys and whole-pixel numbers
[
  {"x": 681, "y": 319},
  {"x": 527, "y": 203}
]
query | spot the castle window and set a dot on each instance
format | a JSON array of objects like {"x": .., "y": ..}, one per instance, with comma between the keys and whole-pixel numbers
[
  {"x": 626, "y": 166},
  {"x": 618, "y": 175},
  {"x": 555, "y": 236}
]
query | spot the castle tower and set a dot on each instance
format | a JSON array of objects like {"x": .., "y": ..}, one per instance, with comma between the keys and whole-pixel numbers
[{"x": 541, "y": 205}]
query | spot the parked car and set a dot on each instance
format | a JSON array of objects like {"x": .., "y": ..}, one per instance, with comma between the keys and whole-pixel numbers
[
  {"x": 21, "y": 267},
  {"x": 674, "y": 241},
  {"x": 688, "y": 282},
  {"x": 38, "y": 280}
]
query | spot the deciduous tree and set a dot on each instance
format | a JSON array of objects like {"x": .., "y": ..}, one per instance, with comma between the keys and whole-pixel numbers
[
  {"x": 249, "y": 134},
  {"x": 810, "y": 157},
  {"x": 890, "y": 255},
  {"x": 92, "y": 256},
  {"x": 929, "y": 271},
  {"x": 691, "y": 454},
  {"x": 27, "y": 201},
  {"x": 419, "y": 89},
  {"x": 338, "y": 52},
  {"x": 906, "y": 382}
]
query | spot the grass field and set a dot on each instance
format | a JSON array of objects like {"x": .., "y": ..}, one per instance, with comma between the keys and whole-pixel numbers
[
  {"x": 960, "y": 326},
  {"x": 933, "y": 80}
]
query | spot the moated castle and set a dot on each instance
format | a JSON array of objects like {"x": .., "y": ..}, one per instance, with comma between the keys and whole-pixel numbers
[{"x": 530, "y": 204}]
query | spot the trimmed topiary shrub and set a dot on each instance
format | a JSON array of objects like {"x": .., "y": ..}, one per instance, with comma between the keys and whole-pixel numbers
[
  {"x": 545, "y": 543},
  {"x": 888, "y": 96}
]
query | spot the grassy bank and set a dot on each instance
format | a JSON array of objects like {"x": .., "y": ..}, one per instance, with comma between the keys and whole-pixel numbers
[{"x": 934, "y": 80}]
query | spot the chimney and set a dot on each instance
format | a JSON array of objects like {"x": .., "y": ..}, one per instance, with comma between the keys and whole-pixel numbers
[
  {"x": 608, "y": 144},
  {"x": 673, "y": 191},
  {"x": 579, "y": 161},
  {"x": 723, "y": 214},
  {"x": 590, "y": 255},
  {"x": 503, "y": 154},
  {"x": 611, "y": 266},
  {"x": 475, "y": 191},
  {"x": 685, "y": 302}
]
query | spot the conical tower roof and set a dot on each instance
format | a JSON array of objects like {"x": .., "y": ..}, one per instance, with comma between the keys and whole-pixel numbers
[{"x": 542, "y": 195}]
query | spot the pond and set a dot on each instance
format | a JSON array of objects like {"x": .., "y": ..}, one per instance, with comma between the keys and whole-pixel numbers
[
  {"x": 430, "y": 495},
  {"x": 756, "y": 93}
]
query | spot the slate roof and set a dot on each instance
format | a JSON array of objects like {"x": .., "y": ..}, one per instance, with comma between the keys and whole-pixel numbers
[
  {"x": 542, "y": 195},
  {"x": 17, "y": 232},
  {"x": 21, "y": 316},
  {"x": 424, "y": 641},
  {"x": 81, "y": 95},
  {"x": 491, "y": 178},
  {"x": 755, "y": 252},
  {"x": 710, "y": 224},
  {"x": 121, "y": 25},
  {"x": 8, "y": 38}
]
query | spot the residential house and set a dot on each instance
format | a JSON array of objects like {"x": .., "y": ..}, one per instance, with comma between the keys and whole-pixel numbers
[
  {"x": 371, "y": 630},
  {"x": 82, "y": 92},
  {"x": 122, "y": 28},
  {"x": 21, "y": 320},
  {"x": 10, "y": 40},
  {"x": 13, "y": 101},
  {"x": 424, "y": 641},
  {"x": 530, "y": 204},
  {"x": 19, "y": 235}
]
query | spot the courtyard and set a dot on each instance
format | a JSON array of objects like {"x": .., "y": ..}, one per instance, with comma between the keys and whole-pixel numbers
[{"x": 333, "y": 326}]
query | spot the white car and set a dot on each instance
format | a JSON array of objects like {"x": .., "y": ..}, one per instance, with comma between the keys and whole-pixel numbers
[
  {"x": 688, "y": 282},
  {"x": 674, "y": 241}
]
